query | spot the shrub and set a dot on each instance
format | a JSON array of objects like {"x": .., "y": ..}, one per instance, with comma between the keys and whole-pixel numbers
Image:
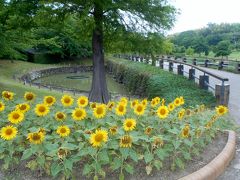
[
  {"x": 148, "y": 81},
  {"x": 57, "y": 135}
]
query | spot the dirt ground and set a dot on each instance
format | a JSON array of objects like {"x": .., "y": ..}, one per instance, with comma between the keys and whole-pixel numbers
[{"x": 212, "y": 150}]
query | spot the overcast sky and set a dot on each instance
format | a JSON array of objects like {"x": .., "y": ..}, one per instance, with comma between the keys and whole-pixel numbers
[{"x": 196, "y": 14}]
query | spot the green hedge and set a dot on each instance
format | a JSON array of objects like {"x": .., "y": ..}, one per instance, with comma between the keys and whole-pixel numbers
[{"x": 148, "y": 81}]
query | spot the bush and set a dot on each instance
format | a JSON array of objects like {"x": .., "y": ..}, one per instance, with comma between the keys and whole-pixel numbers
[{"x": 148, "y": 81}]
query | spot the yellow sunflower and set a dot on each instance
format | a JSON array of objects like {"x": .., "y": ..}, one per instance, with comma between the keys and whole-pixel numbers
[
  {"x": 49, "y": 100},
  {"x": 177, "y": 102},
  {"x": 113, "y": 130},
  {"x": 185, "y": 131},
  {"x": 129, "y": 124},
  {"x": 181, "y": 114},
  {"x": 162, "y": 112},
  {"x": 157, "y": 142},
  {"x": 93, "y": 105},
  {"x": 99, "y": 111},
  {"x": 63, "y": 131},
  {"x": 82, "y": 101},
  {"x": 67, "y": 100},
  {"x": 181, "y": 100},
  {"x": 8, "y": 132},
  {"x": 124, "y": 101},
  {"x": 29, "y": 96},
  {"x": 98, "y": 138},
  {"x": 121, "y": 109},
  {"x": 15, "y": 117},
  {"x": 154, "y": 103},
  {"x": 79, "y": 114},
  {"x": 36, "y": 137},
  {"x": 148, "y": 131},
  {"x": 157, "y": 99},
  {"x": 7, "y": 95},
  {"x": 171, "y": 107},
  {"x": 41, "y": 110},
  {"x": 139, "y": 109},
  {"x": 163, "y": 102},
  {"x": 144, "y": 102},
  {"x": 2, "y": 106},
  {"x": 221, "y": 110},
  {"x": 134, "y": 103},
  {"x": 110, "y": 105},
  {"x": 23, "y": 107},
  {"x": 60, "y": 116},
  {"x": 125, "y": 141}
]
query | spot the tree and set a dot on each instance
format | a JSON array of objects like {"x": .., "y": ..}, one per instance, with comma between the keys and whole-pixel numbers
[
  {"x": 133, "y": 15},
  {"x": 222, "y": 49},
  {"x": 189, "y": 51}
]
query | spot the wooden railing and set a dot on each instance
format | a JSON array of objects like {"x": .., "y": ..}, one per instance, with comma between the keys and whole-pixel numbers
[{"x": 221, "y": 90}]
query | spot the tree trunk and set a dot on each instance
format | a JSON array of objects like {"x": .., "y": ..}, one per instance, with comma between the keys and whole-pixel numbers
[{"x": 99, "y": 92}]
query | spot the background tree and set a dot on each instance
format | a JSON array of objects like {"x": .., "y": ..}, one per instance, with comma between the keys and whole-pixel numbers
[{"x": 222, "y": 49}]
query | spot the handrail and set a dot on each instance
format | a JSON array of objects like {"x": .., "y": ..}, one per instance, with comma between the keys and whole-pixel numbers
[{"x": 200, "y": 69}]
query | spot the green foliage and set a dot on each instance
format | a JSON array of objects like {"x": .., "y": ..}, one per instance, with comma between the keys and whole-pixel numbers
[
  {"x": 149, "y": 81},
  {"x": 222, "y": 49}
]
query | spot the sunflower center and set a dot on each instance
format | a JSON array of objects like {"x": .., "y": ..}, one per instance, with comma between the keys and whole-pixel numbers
[
  {"x": 99, "y": 137},
  {"x": 23, "y": 107},
  {"x": 177, "y": 102},
  {"x": 185, "y": 132},
  {"x": 36, "y": 137},
  {"x": 63, "y": 130},
  {"x": 82, "y": 101},
  {"x": 42, "y": 109},
  {"x": 221, "y": 110},
  {"x": 126, "y": 140},
  {"x": 49, "y": 100},
  {"x": 67, "y": 100},
  {"x": 129, "y": 124},
  {"x": 16, "y": 116},
  {"x": 29, "y": 97},
  {"x": 121, "y": 108},
  {"x": 162, "y": 111},
  {"x": 0, "y": 105},
  {"x": 99, "y": 111},
  {"x": 7, "y": 95},
  {"x": 139, "y": 108},
  {"x": 60, "y": 116},
  {"x": 78, "y": 113},
  {"x": 8, "y": 132}
]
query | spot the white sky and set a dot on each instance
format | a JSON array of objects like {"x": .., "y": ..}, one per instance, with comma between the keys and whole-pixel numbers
[{"x": 196, "y": 14}]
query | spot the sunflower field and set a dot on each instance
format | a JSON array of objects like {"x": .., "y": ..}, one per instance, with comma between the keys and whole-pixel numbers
[{"x": 56, "y": 135}]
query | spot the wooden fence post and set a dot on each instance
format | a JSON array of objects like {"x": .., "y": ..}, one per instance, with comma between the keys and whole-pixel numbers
[
  {"x": 170, "y": 66},
  {"x": 180, "y": 69},
  {"x": 161, "y": 63},
  {"x": 195, "y": 61},
  {"x": 202, "y": 82},
  {"x": 206, "y": 62},
  {"x": 191, "y": 74},
  {"x": 222, "y": 94}
]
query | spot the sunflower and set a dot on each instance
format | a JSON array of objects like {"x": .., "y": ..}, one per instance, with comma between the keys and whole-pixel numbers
[
  {"x": 185, "y": 131},
  {"x": 177, "y": 102},
  {"x": 2, "y": 106},
  {"x": 7, "y": 95},
  {"x": 125, "y": 141},
  {"x": 148, "y": 131},
  {"x": 163, "y": 102},
  {"x": 8, "y": 132},
  {"x": 181, "y": 114},
  {"x": 98, "y": 138},
  {"x": 29, "y": 96},
  {"x": 129, "y": 124},
  {"x": 121, "y": 109},
  {"x": 63, "y": 131},
  {"x": 15, "y": 117},
  {"x": 157, "y": 142},
  {"x": 139, "y": 109},
  {"x": 162, "y": 112},
  {"x": 181, "y": 100},
  {"x": 42, "y": 130},
  {"x": 49, "y": 100},
  {"x": 144, "y": 102},
  {"x": 79, "y": 114},
  {"x": 41, "y": 110},
  {"x": 93, "y": 105},
  {"x": 23, "y": 107},
  {"x": 124, "y": 101},
  {"x": 67, "y": 100},
  {"x": 221, "y": 110},
  {"x": 60, "y": 116},
  {"x": 82, "y": 101},
  {"x": 113, "y": 130},
  {"x": 99, "y": 111},
  {"x": 154, "y": 103},
  {"x": 36, "y": 137},
  {"x": 157, "y": 99},
  {"x": 134, "y": 103},
  {"x": 110, "y": 105},
  {"x": 171, "y": 107}
]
